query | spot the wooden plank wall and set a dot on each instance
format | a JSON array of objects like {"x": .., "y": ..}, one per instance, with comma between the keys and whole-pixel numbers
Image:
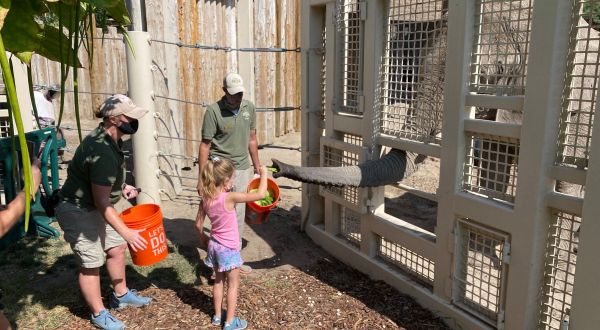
[
  {"x": 108, "y": 75},
  {"x": 195, "y": 75}
]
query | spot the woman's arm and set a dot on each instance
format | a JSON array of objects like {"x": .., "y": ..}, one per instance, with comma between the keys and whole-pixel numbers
[
  {"x": 15, "y": 209},
  {"x": 102, "y": 201}
]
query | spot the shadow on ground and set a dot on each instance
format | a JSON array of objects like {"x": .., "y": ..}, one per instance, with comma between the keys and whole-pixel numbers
[
  {"x": 29, "y": 279},
  {"x": 291, "y": 252}
]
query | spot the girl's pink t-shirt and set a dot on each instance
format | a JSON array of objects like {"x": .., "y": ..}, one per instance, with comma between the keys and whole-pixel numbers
[{"x": 223, "y": 222}]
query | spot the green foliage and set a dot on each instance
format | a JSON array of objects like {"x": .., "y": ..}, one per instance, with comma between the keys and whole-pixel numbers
[
  {"x": 54, "y": 29},
  {"x": 267, "y": 200},
  {"x": 32, "y": 26},
  {"x": 591, "y": 14}
]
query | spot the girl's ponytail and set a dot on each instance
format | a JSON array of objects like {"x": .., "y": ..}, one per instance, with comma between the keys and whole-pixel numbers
[{"x": 214, "y": 174}]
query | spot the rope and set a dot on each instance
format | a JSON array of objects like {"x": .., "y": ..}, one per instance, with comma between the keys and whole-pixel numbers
[
  {"x": 202, "y": 104},
  {"x": 206, "y": 104},
  {"x": 176, "y": 156},
  {"x": 162, "y": 173},
  {"x": 71, "y": 128},
  {"x": 229, "y": 49},
  {"x": 277, "y": 109},
  {"x": 177, "y": 138},
  {"x": 47, "y": 87}
]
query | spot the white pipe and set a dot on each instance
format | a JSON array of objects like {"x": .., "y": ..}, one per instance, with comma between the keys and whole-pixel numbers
[{"x": 145, "y": 149}]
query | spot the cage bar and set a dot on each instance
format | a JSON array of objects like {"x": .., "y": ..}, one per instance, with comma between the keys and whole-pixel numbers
[
  {"x": 413, "y": 71},
  {"x": 333, "y": 157},
  {"x": 581, "y": 85},
  {"x": 559, "y": 275},
  {"x": 351, "y": 29},
  {"x": 350, "y": 225},
  {"x": 411, "y": 262},
  {"x": 480, "y": 270},
  {"x": 501, "y": 47},
  {"x": 491, "y": 167}
]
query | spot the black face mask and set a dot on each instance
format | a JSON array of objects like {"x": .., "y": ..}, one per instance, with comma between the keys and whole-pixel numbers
[{"x": 129, "y": 128}]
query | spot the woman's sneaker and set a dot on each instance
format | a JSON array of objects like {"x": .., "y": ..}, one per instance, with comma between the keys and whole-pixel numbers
[
  {"x": 131, "y": 298},
  {"x": 105, "y": 320},
  {"x": 236, "y": 324}
]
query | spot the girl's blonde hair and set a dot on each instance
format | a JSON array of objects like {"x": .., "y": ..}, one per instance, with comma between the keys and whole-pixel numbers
[{"x": 213, "y": 175}]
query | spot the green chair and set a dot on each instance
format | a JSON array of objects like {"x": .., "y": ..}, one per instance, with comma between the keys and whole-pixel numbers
[{"x": 11, "y": 178}]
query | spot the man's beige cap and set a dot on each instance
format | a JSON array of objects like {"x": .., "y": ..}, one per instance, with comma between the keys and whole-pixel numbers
[
  {"x": 233, "y": 83},
  {"x": 120, "y": 104}
]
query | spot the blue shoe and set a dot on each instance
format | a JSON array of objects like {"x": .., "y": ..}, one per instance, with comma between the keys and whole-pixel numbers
[
  {"x": 105, "y": 320},
  {"x": 218, "y": 320},
  {"x": 236, "y": 324},
  {"x": 131, "y": 298}
]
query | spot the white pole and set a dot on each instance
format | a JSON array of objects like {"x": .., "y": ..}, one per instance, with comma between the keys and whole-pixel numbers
[{"x": 145, "y": 150}]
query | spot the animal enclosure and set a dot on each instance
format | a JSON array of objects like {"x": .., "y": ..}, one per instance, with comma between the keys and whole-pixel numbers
[{"x": 502, "y": 94}]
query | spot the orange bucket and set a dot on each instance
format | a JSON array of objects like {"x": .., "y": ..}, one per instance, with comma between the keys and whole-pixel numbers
[
  {"x": 256, "y": 214},
  {"x": 148, "y": 217}
]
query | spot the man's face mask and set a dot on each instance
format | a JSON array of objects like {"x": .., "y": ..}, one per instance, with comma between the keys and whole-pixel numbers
[{"x": 129, "y": 127}]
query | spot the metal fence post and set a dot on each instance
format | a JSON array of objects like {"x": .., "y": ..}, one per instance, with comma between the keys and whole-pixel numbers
[{"x": 145, "y": 149}]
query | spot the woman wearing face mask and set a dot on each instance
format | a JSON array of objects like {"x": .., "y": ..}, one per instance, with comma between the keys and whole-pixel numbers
[{"x": 87, "y": 215}]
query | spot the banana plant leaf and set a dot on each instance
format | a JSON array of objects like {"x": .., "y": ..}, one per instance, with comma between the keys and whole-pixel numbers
[
  {"x": 23, "y": 35},
  {"x": 4, "y": 8},
  {"x": 67, "y": 12},
  {"x": 114, "y": 8},
  {"x": 49, "y": 47},
  {"x": 21, "y": 31}
]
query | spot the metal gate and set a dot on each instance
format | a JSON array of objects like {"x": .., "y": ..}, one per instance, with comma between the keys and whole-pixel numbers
[{"x": 501, "y": 94}]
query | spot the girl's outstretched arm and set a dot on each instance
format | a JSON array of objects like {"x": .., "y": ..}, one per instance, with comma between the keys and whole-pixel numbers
[{"x": 239, "y": 197}]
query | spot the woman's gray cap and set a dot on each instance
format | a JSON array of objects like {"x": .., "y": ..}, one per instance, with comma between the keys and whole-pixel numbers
[{"x": 120, "y": 104}]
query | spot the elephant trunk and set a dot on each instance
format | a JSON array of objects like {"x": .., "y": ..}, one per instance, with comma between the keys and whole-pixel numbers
[{"x": 391, "y": 168}]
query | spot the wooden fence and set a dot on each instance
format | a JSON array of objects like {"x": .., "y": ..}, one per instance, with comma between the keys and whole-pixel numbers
[{"x": 185, "y": 78}]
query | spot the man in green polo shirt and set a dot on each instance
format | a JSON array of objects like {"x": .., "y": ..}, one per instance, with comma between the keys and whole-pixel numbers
[{"x": 229, "y": 131}]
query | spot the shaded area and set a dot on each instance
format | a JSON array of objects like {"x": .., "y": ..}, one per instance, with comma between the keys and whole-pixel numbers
[{"x": 413, "y": 209}]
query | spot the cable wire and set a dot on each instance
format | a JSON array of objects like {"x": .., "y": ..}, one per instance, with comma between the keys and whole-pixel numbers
[{"x": 229, "y": 49}]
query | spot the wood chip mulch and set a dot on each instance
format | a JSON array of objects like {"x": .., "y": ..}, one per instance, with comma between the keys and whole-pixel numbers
[{"x": 327, "y": 295}]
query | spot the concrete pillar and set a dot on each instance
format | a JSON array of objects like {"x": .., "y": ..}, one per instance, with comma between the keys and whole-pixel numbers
[{"x": 141, "y": 91}]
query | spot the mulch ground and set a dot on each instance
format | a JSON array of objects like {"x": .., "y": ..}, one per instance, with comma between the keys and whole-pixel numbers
[{"x": 328, "y": 295}]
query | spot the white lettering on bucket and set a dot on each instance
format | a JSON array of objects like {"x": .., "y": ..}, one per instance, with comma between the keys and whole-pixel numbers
[{"x": 157, "y": 241}]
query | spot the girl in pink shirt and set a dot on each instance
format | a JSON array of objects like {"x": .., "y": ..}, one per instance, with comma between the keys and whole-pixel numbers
[{"x": 218, "y": 203}]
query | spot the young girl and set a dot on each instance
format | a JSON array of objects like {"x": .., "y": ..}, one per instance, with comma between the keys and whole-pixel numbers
[{"x": 218, "y": 203}]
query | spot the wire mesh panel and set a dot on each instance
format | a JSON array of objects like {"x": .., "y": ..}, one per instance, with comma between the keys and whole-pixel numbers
[
  {"x": 480, "y": 270},
  {"x": 350, "y": 29},
  {"x": 409, "y": 261},
  {"x": 350, "y": 225},
  {"x": 333, "y": 157},
  {"x": 4, "y": 127},
  {"x": 356, "y": 140},
  {"x": 491, "y": 167},
  {"x": 415, "y": 52},
  {"x": 499, "y": 59},
  {"x": 559, "y": 275},
  {"x": 581, "y": 85}
]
